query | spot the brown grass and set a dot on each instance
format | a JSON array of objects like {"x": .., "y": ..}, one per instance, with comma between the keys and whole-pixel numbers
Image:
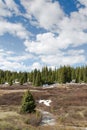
[{"x": 69, "y": 104}]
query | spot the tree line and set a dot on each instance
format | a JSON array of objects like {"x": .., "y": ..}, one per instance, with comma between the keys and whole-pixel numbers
[{"x": 46, "y": 76}]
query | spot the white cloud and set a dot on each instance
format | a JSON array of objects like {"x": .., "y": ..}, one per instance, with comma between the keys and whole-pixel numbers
[
  {"x": 55, "y": 60},
  {"x": 10, "y": 56},
  {"x": 8, "y": 61},
  {"x": 49, "y": 50},
  {"x": 62, "y": 32},
  {"x": 13, "y": 66},
  {"x": 48, "y": 43},
  {"x": 83, "y": 2},
  {"x": 36, "y": 65},
  {"x": 45, "y": 13},
  {"x": 50, "y": 16},
  {"x": 76, "y": 52},
  {"x": 10, "y": 4},
  {"x": 5, "y": 53},
  {"x": 44, "y": 44},
  {"x": 8, "y": 7},
  {"x": 15, "y": 29},
  {"x": 3, "y": 10},
  {"x": 20, "y": 58},
  {"x": 71, "y": 31},
  {"x": 14, "y": 63}
]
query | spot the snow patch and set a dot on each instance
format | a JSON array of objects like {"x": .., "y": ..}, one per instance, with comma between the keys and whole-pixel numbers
[
  {"x": 45, "y": 102},
  {"x": 47, "y": 118},
  {"x": 6, "y": 83}
]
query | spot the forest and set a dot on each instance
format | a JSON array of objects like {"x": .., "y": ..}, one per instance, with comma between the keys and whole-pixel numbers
[{"x": 64, "y": 74}]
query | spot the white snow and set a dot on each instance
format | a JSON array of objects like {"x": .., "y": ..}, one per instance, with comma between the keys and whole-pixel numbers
[
  {"x": 16, "y": 82},
  {"x": 47, "y": 118},
  {"x": 45, "y": 102},
  {"x": 6, "y": 83}
]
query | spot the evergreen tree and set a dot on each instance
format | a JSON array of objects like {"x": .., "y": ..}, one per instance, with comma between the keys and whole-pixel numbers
[
  {"x": 30, "y": 76},
  {"x": 34, "y": 76},
  {"x": 25, "y": 77},
  {"x": 28, "y": 103},
  {"x": 68, "y": 76},
  {"x": 10, "y": 82},
  {"x": 77, "y": 74},
  {"x": 63, "y": 75},
  {"x": 73, "y": 76},
  {"x": 44, "y": 75},
  {"x": 21, "y": 81},
  {"x": 38, "y": 79}
]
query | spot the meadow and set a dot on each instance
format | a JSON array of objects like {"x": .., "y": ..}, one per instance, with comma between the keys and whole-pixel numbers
[{"x": 69, "y": 107}]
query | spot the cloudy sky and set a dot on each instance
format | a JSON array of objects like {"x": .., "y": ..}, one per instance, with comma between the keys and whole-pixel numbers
[{"x": 36, "y": 33}]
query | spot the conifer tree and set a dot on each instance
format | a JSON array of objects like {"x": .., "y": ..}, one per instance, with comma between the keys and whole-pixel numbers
[
  {"x": 10, "y": 82},
  {"x": 38, "y": 79},
  {"x": 28, "y": 103},
  {"x": 34, "y": 76},
  {"x": 21, "y": 81}
]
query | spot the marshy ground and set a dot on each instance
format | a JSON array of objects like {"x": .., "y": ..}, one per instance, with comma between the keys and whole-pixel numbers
[{"x": 68, "y": 106}]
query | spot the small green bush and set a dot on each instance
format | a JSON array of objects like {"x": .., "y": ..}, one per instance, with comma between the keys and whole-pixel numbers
[{"x": 28, "y": 103}]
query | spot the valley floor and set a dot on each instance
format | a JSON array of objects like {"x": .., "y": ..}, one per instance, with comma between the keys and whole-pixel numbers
[{"x": 68, "y": 106}]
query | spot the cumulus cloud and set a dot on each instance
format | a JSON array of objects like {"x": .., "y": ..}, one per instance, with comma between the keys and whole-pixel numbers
[
  {"x": 71, "y": 31},
  {"x": 14, "y": 63},
  {"x": 11, "y": 5},
  {"x": 13, "y": 66},
  {"x": 43, "y": 13},
  {"x": 3, "y": 11},
  {"x": 50, "y": 15},
  {"x": 44, "y": 44},
  {"x": 16, "y": 29},
  {"x": 83, "y": 2},
  {"x": 36, "y": 65},
  {"x": 48, "y": 49},
  {"x": 10, "y": 61},
  {"x": 20, "y": 58},
  {"x": 8, "y": 7},
  {"x": 58, "y": 45},
  {"x": 56, "y": 60},
  {"x": 48, "y": 43}
]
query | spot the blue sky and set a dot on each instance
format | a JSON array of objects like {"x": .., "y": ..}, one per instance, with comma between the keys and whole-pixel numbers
[{"x": 36, "y": 33}]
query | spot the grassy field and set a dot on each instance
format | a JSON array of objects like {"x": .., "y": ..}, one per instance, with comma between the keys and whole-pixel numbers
[{"x": 69, "y": 107}]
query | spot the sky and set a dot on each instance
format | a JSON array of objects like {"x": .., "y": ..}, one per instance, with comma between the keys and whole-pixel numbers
[{"x": 38, "y": 33}]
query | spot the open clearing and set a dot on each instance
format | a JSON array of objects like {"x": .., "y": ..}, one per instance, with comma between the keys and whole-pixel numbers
[{"x": 69, "y": 107}]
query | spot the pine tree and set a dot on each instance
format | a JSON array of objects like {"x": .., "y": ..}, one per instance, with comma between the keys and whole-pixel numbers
[
  {"x": 10, "y": 82},
  {"x": 21, "y": 81},
  {"x": 28, "y": 103},
  {"x": 38, "y": 79},
  {"x": 30, "y": 76},
  {"x": 34, "y": 76},
  {"x": 73, "y": 76},
  {"x": 63, "y": 74},
  {"x": 68, "y": 74},
  {"x": 77, "y": 74},
  {"x": 25, "y": 77}
]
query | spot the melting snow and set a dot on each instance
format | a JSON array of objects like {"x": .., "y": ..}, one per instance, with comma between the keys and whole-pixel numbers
[
  {"x": 45, "y": 102},
  {"x": 47, "y": 118}
]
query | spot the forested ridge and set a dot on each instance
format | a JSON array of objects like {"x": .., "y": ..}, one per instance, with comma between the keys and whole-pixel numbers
[{"x": 45, "y": 76}]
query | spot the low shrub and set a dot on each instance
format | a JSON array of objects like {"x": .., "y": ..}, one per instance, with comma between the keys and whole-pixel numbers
[{"x": 34, "y": 119}]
